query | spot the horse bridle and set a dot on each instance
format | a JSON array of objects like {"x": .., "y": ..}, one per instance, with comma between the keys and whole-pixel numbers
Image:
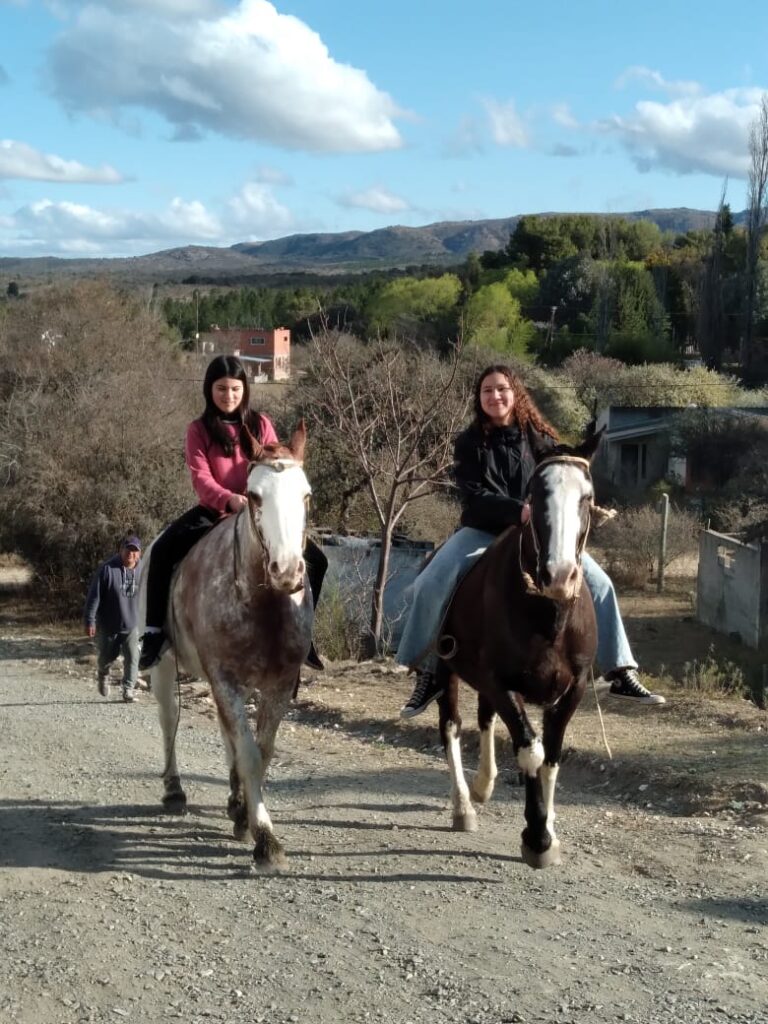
[
  {"x": 279, "y": 466},
  {"x": 577, "y": 460}
]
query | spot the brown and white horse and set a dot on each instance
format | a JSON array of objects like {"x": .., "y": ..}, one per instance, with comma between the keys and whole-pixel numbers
[
  {"x": 240, "y": 613},
  {"x": 521, "y": 628}
]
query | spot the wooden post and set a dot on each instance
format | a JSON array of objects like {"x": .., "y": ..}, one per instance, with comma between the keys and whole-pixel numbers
[{"x": 664, "y": 511}]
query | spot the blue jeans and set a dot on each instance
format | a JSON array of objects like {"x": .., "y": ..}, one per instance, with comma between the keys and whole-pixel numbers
[
  {"x": 109, "y": 645},
  {"x": 434, "y": 587}
]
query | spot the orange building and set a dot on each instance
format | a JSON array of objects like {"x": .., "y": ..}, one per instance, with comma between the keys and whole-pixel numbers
[{"x": 267, "y": 353}]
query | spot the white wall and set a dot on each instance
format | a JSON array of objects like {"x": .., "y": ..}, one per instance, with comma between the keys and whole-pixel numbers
[{"x": 728, "y": 588}]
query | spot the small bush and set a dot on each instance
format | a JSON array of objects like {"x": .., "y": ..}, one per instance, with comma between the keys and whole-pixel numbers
[
  {"x": 711, "y": 676},
  {"x": 629, "y": 544},
  {"x": 337, "y": 631}
]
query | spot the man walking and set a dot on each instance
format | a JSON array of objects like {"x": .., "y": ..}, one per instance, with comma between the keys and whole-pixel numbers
[{"x": 111, "y": 615}]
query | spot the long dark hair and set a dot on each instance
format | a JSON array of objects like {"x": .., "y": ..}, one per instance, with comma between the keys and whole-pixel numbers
[
  {"x": 524, "y": 412},
  {"x": 249, "y": 420}
]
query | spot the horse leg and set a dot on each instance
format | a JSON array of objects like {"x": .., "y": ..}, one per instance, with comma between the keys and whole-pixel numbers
[
  {"x": 483, "y": 782},
  {"x": 268, "y": 718},
  {"x": 554, "y": 723},
  {"x": 539, "y": 848},
  {"x": 237, "y": 812},
  {"x": 164, "y": 689},
  {"x": 249, "y": 767},
  {"x": 464, "y": 816}
]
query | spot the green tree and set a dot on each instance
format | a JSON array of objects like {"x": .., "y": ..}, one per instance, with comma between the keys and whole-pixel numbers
[
  {"x": 493, "y": 320},
  {"x": 404, "y": 302}
]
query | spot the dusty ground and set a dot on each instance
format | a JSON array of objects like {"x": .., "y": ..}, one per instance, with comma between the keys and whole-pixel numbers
[{"x": 111, "y": 910}]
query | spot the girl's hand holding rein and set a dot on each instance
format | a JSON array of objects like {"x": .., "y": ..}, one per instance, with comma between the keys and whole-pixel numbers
[{"x": 236, "y": 502}]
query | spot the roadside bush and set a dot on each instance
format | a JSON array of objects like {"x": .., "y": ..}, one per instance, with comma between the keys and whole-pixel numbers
[
  {"x": 93, "y": 407},
  {"x": 628, "y": 545},
  {"x": 713, "y": 676},
  {"x": 337, "y": 629}
]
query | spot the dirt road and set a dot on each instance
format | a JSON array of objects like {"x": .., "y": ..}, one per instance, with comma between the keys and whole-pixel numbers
[{"x": 112, "y": 911}]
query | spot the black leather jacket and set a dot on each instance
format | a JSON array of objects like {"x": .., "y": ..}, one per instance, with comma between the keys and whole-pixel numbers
[{"x": 492, "y": 471}]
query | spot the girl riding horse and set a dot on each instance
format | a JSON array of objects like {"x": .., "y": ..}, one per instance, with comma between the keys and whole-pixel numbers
[
  {"x": 219, "y": 447},
  {"x": 493, "y": 464}
]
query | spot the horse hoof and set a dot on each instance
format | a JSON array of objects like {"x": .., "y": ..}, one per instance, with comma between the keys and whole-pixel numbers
[
  {"x": 465, "y": 822},
  {"x": 175, "y": 803},
  {"x": 546, "y": 859},
  {"x": 240, "y": 830},
  {"x": 268, "y": 854}
]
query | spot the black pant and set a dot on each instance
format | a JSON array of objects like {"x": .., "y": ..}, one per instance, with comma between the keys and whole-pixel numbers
[{"x": 180, "y": 537}]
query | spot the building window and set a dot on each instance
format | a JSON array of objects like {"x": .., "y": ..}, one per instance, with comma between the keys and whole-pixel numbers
[{"x": 255, "y": 341}]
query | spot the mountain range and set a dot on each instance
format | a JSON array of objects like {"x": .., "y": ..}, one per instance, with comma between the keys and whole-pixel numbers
[{"x": 443, "y": 244}]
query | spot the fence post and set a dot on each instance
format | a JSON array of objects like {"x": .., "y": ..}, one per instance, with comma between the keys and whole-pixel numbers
[{"x": 663, "y": 509}]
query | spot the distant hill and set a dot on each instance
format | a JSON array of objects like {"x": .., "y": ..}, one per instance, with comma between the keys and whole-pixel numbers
[{"x": 441, "y": 244}]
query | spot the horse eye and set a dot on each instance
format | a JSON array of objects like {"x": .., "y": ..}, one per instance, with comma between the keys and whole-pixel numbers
[{"x": 255, "y": 498}]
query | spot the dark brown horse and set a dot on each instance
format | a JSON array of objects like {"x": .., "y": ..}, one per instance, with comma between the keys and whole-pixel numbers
[
  {"x": 240, "y": 614},
  {"x": 521, "y": 628}
]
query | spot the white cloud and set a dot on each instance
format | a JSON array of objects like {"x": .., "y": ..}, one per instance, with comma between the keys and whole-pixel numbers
[
  {"x": 46, "y": 227},
  {"x": 255, "y": 211},
  {"x": 654, "y": 79},
  {"x": 562, "y": 115},
  {"x": 692, "y": 134},
  {"x": 245, "y": 71},
  {"x": 377, "y": 199},
  {"x": 507, "y": 127},
  {"x": 73, "y": 227},
  {"x": 18, "y": 160},
  {"x": 272, "y": 176}
]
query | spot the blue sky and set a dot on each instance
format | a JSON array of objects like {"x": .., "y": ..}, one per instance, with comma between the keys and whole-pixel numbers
[{"x": 130, "y": 126}]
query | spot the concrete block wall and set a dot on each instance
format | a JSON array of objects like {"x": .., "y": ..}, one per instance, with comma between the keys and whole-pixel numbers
[{"x": 731, "y": 587}]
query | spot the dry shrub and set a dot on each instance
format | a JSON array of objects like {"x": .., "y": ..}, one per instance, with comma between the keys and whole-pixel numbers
[
  {"x": 628, "y": 546},
  {"x": 94, "y": 402}
]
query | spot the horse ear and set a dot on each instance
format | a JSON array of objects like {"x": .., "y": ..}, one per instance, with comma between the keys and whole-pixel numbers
[
  {"x": 591, "y": 443},
  {"x": 298, "y": 441}
]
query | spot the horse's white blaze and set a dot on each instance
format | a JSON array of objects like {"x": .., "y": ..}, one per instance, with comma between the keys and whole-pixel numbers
[
  {"x": 282, "y": 516},
  {"x": 531, "y": 758},
  {"x": 567, "y": 486},
  {"x": 548, "y": 776}
]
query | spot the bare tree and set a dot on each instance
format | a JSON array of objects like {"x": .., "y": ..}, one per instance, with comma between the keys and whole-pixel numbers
[
  {"x": 757, "y": 216},
  {"x": 397, "y": 408}
]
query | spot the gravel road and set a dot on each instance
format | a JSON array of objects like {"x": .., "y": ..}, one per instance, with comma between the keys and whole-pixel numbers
[{"x": 112, "y": 911}]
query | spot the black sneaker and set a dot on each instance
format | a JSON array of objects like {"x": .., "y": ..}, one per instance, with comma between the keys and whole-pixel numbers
[
  {"x": 424, "y": 692},
  {"x": 313, "y": 660},
  {"x": 151, "y": 649},
  {"x": 625, "y": 682},
  {"x": 103, "y": 685}
]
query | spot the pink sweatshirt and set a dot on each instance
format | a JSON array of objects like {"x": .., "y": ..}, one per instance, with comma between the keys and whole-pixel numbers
[{"x": 216, "y": 476}]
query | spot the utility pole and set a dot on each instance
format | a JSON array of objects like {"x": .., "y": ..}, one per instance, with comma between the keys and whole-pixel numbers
[{"x": 196, "y": 293}]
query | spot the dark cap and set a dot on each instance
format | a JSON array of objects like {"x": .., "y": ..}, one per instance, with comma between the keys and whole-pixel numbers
[{"x": 131, "y": 541}]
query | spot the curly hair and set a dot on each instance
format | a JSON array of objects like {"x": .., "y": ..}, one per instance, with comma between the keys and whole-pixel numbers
[{"x": 524, "y": 411}]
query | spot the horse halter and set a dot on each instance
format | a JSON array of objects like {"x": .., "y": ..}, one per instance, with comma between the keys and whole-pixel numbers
[
  {"x": 254, "y": 517},
  {"x": 551, "y": 460}
]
